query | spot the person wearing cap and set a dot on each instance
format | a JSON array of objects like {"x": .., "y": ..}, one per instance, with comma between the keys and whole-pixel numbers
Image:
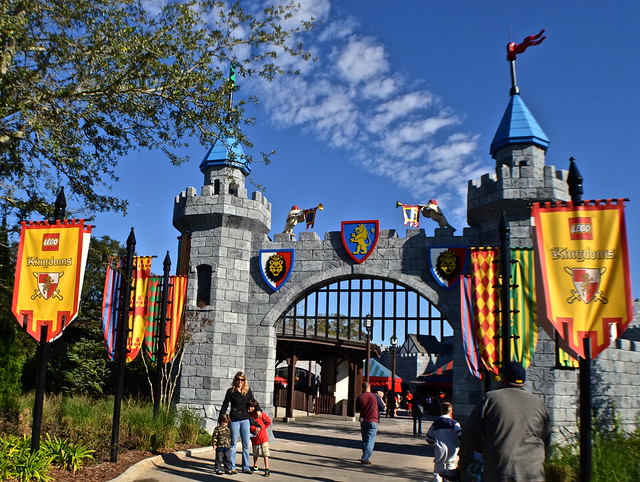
[{"x": 510, "y": 428}]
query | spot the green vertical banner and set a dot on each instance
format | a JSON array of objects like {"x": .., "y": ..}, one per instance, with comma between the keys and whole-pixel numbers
[
  {"x": 524, "y": 328},
  {"x": 154, "y": 292}
]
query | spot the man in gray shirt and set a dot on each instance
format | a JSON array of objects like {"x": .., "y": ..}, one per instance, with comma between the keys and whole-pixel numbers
[{"x": 510, "y": 428}]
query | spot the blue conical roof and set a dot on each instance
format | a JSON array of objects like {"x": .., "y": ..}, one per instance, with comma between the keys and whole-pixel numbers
[
  {"x": 518, "y": 126},
  {"x": 226, "y": 153}
]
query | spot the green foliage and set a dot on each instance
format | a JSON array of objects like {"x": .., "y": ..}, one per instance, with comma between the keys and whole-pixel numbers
[
  {"x": 17, "y": 461},
  {"x": 65, "y": 454},
  {"x": 615, "y": 454},
  {"x": 190, "y": 428},
  {"x": 14, "y": 345},
  {"x": 85, "y": 82},
  {"x": 78, "y": 362},
  {"x": 78, "y": 431}
]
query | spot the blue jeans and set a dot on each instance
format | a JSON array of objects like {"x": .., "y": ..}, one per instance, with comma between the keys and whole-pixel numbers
[
  {"x": 240, "y": 429},
  {"x": 368, "y": 430},
  {"x": 417, "y": 425}
]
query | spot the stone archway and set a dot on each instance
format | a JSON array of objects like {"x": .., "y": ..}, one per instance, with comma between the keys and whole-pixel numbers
[{"x": 326, "y": 324}]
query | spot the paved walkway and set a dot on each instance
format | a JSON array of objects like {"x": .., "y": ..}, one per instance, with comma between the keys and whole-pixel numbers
[{"x": 312, "y": 448}]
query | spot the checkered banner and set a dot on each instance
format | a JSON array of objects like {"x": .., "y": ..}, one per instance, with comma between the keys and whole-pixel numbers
[
  {"x": 485, "y": 299},
  {"x": 584, "y": 283},
  {"x": 480, "y": 304},
  {"x": 176, "y": 298}
]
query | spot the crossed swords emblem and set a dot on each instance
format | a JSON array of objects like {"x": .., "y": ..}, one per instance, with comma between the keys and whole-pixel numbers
[
  {"x": 584, "y": 285},
  {"x": 47, "y": 282}
]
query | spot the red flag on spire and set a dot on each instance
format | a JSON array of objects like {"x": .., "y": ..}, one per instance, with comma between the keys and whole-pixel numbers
[{"x": 513, "y": 49}]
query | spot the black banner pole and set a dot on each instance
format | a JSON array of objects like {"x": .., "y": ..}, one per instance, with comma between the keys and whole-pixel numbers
[
  {"x": 41, "y": 379},
  {"x": 505, "y": 287},
  {"x": 121, "y": 343},
  {"x": 44, "y": 348},
  {"x": 575, "y": 191},
  {"x": 162, "y": 328}
]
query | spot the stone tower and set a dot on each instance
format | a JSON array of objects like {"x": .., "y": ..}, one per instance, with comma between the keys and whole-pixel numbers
[
  {"x": 222, "y": 228},
  {"x": 521, "y": 177}
]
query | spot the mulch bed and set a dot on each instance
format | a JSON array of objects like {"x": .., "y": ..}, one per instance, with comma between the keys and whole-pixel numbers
[{"x": 104, "y": 471}]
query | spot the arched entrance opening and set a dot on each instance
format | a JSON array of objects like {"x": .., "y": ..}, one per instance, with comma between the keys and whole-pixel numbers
[{"x": 322, "y": 342}]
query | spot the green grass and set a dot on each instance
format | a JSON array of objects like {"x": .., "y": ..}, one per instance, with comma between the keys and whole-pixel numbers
[
  {"x": 615, "y": 457},
  {"x": 77, "y": 430}
]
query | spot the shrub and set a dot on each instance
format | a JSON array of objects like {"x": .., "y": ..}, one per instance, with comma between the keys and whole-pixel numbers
[
  {"x": 615, "y": 455},
  {"x": 17, "y": 461},
  {"x": 65, "y": 454},
  {"x": 189, "y": 427}
]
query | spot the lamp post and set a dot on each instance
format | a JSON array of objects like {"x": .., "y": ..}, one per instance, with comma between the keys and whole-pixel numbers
[
  {"x": 368, "y": 324},
  {"x": 394, "y": 342}
]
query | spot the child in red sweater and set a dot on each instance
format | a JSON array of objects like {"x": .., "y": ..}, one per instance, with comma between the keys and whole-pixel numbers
[{"x": 260, "y": 421}]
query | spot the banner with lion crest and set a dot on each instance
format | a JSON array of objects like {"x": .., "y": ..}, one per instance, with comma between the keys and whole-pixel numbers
[
  {"x": 447, "y": 264},
  {"x": 276, "y": 266}
]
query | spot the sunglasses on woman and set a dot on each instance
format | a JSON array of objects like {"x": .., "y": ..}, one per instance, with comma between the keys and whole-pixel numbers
[{"x": 240, "y": 379}]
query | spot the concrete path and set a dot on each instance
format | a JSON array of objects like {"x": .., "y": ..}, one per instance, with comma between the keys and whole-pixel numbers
[{"x": 311, "y": 448}]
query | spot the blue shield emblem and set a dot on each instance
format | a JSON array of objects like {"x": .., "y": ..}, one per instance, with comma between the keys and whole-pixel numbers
[
  {"x": 447, "y": 263},
  {"x": 359, "y": 238},
  {"x": 276, "y": 266}
]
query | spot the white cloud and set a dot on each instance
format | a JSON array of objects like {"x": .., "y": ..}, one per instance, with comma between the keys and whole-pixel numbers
[
  {"x": 352, "y": 99},
  {"x": 360, "y": 60}
]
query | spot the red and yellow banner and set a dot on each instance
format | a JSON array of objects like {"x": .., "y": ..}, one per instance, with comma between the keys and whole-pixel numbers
[
  {"x": 137, "y": 318},
  {"x": 49, "y": 274},
  {"x": 583, "y": 279},
  {"x": 140, "y": 273},
  {"x": 484, "y": 278},
  {"x": 176, "y": 299}
]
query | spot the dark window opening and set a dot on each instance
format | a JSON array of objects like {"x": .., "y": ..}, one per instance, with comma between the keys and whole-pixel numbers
[{"x": 204, "y": 285}]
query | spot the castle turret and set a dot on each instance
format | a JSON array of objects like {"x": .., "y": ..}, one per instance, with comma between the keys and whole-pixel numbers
[
  {"x": 220, "y": 229},
  {"x": 521, "y": 177}
]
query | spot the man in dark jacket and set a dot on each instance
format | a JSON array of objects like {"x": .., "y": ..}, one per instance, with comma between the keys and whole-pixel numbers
[
  {"x": 510, "y": 428},
  {"x": 369, "y": 406}
]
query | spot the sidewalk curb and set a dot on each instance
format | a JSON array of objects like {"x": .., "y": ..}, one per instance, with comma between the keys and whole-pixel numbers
[{"x": 156, "y": 460}]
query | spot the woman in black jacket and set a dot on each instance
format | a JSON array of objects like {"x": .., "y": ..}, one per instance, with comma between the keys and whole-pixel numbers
[{"x": 237, "y": 397}]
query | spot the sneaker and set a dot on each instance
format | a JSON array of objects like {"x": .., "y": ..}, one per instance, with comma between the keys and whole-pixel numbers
[
  {"x": 248, "y": 471},
  {"x": 254, "y": 468},
  {"x": 232, "y": 472},
  {"x": 365, "y": 462},
  {"x": 219, "y": 472},
  {"x": 267, "y": 472}
]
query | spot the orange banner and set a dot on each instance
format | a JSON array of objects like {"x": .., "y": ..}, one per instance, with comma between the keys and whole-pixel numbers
[
  {"x": 49, "y": 275},
  {"x": 137, "y": 318},
  {"x": 583, "y": 279}
]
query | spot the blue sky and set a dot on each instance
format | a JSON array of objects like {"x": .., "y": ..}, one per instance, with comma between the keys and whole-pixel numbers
[{"x": 402, "y": 105}]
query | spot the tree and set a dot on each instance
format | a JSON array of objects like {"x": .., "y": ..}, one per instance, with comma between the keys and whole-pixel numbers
[
  {"x": 78, "y": 362},
  {"x": 84, "y": 82},
  {"x": 14, "y": 348}
]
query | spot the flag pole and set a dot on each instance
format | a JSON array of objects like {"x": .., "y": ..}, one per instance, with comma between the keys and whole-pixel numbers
[
  {"x": 162, "y": 328},
  {"x": 505, "y": 298},
  {"x": 44, "y": 349},
  {"x": 121, "y": 343},
  {"x": 576, "y": 190}
]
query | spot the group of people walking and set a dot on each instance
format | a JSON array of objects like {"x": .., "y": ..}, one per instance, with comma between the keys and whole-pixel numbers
[{"x": 505, "y": 438}]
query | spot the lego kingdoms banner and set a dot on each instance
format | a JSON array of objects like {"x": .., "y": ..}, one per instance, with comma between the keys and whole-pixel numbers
[
  {"x": 49, "y": 274},
  {"x": 583, "y": 279}
]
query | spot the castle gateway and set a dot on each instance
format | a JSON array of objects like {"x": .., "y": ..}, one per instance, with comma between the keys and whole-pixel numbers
[{"x": 237, "y": 321}]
